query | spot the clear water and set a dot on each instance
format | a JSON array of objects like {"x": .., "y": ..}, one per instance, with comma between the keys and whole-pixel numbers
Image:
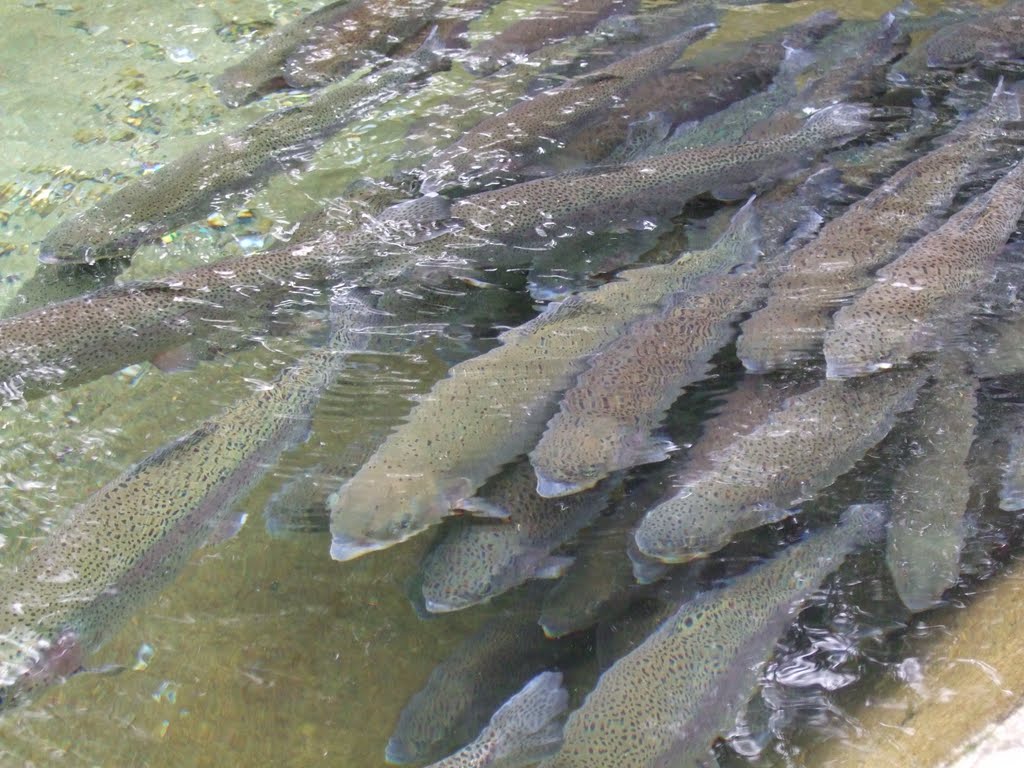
[{"x": 265, "y": 651}]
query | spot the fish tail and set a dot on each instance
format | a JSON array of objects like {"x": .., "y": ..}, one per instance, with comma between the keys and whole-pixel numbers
[
  {"x": 432, "y": 54},
  {"x": 744, "y": 234},
  {"x": 527, "y": 725}
]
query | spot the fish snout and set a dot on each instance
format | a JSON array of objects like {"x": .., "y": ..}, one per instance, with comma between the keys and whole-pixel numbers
[
  {"x": 345, "y": 548},
  {"x": 398, "y": 753}
]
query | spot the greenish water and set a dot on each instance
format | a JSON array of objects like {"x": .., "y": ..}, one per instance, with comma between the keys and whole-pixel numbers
[{"x": 265, "y": 652}]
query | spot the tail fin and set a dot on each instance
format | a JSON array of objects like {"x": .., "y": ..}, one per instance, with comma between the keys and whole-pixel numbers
[
  {"x": 744, "y": 232},
  {"x": 432, "y": 54},
  {"x": 526, "y": 727}
]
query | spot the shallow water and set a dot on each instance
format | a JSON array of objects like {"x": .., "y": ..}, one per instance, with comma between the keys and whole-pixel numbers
[{"x": 265, "y": 651}]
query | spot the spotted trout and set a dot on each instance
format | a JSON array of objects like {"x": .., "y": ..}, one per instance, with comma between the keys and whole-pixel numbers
[
  {"x": 325, "y": 45},
  {"x": 550, "y": 23},
  {"x": 465, "y": 689},
  {"x": 817, "y": 279},
  {"x": 115, "y": 552},
  {"x": 665, "y": 703},
  {"x": 606, "y": 420},
  {"x": 931, "y": 489},
  {"x": 476, "y": 561},
  {"x": 800, "y": 448},
  {"x": 83, "y": 338},
  {"x": 608, "y": 197},
  {"x": 915, "y": 300},
  {"x": 691, "y": 91},
  {"x": 491, "y": 409},
  {"x": 538, "y": 125},
  {"x": 524, "y": 730},
  {"x": 185, "y": 189}
]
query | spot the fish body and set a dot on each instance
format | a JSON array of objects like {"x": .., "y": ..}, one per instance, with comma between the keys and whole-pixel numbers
[
  {"x": 537, "y": 125},
  {"x": 776, "y": 109},
  {"x": 931, "y": 490},
  {"x": 605, "y": 197},
  {"x": 913, "y": 301},
  {"x": 118, "y": 549},
  {"x": 524, "y": 730},
  {"x": 840, "y": 262},
  {"x": 665, "y": 703},
  {"x": 466, "y": 688},
  {"x": 606, "y": 420},
  {"x": 186, "y": 188},
  {"x": 325, "y": 45},
  {"x": 475, "y": 561},
  {"x": 82, "y": 338},
  {"x": 692, "y": 91},
  {"x": 490, "y": 409},
  {"x": 551, "y": 23},
  {"x": 802, "y": 447},
  {"x": 995, "y": 35}
]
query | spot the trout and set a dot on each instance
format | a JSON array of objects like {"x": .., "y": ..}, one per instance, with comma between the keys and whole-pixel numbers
[
  {"x": 476, "y": 561},
  {"x": 524, "y": 730},
  {"x": 115, "y": 552},
  {"x": 665, "y": 703},
  {"x": 827, "y": 272},
  {"x": 914, "y": 300},
  {"x": 931, "y": 490},
  {"x": 185, "y": 189},
  {"x": 327, "y": 44},
  {"x": 800, "y": 448},
  {"x": 505, "y": 143},
  {"x": 463, "y": 691},
  {"x": 491, "y": 409}
]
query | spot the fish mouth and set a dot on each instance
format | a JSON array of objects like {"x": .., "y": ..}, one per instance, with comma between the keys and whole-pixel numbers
[
  {"x": 550, "y": 488},
  {"x": 439, "y": 606},
  {"x": 397, "y": 753},
  {"x": 344, "y": 548}
]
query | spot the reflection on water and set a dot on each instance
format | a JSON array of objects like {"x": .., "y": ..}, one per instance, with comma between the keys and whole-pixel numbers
[{"x": 267, "y": 651}]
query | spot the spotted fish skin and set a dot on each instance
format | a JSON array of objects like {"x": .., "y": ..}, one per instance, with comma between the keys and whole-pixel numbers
[
  {"x": 492, "y": 408},
  {"x": 524, "y": 730},
  {"x": 559, "y": 20},
  {"x": 186, "y": 188},
  {"x": 665, "y": 703},
  {"x": 699, "y": 88},
  {"x": 83, "y": 338},
  {"x": 262, "y": 71},
  {"x": 325, "y": 45},
  {"x": 508, "y": 141},
  {"x": 931, "y": 490},
  {"x": 908, "y": 309},
  {"x": 840, "y": 262},
  {"x": 800, "y": 448},
  {"x": 605, "y": 197},
  {"x": 466, "y": 688},
  {"x": 995, "y": 35},
  {"x": 606, "y": 420},
  {"x": 116, "y": 551},
  {"x": 476, "y": 561}
]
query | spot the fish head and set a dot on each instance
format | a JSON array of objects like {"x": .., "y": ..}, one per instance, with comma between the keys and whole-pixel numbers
[
  {"x": 368, "y": 515},
  {"x": 239, "y": 85},
  {"x": 29, "y": 665},
  {"x": 580, "y": 453},
  {"x": 469, "y": 566},
  {"x": 86, "y": 239}
]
